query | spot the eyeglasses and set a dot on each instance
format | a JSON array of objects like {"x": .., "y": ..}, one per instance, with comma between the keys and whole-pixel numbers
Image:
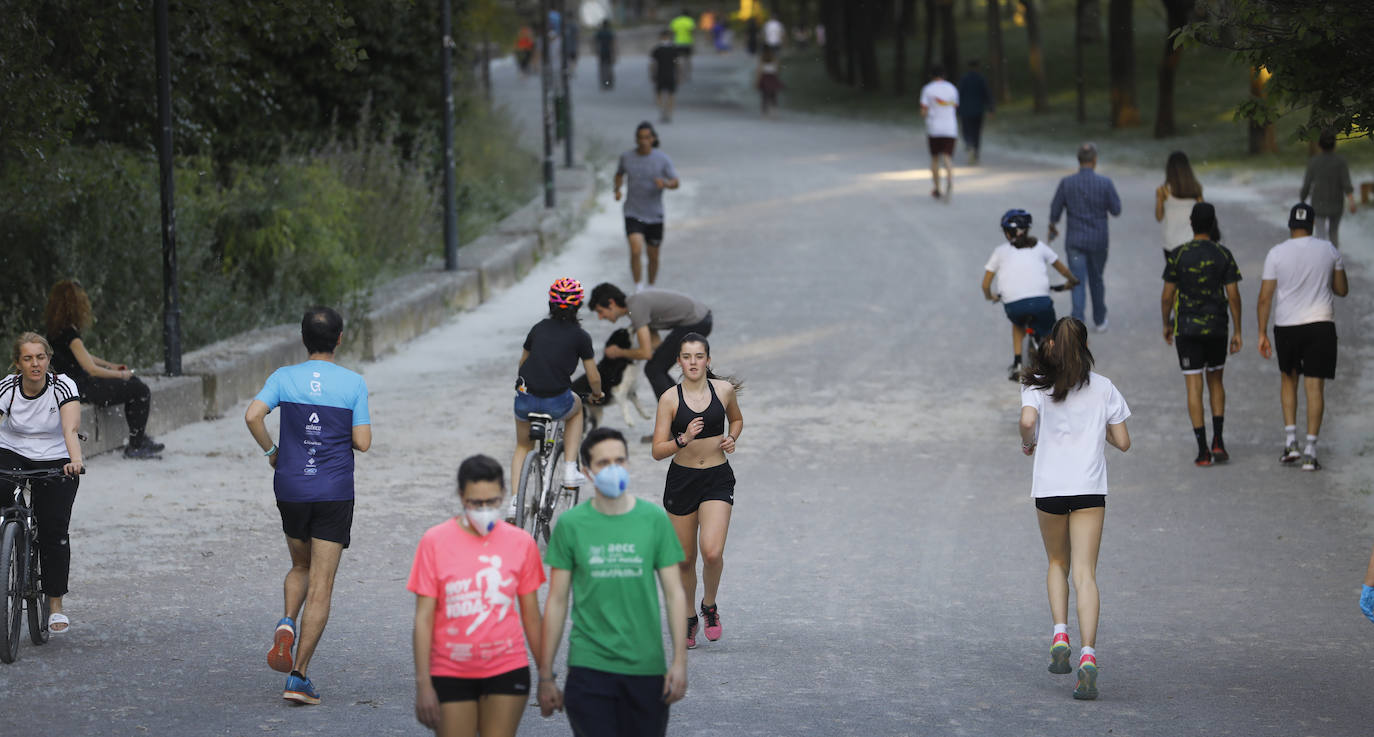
[{"x": 475, "y": 504}]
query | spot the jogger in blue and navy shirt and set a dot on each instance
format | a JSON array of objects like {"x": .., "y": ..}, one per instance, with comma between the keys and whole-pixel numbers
[{"x": 324, "y": 419}]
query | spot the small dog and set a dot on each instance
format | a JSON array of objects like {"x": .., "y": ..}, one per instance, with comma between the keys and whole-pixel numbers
[{"x": 618, "y": 382}]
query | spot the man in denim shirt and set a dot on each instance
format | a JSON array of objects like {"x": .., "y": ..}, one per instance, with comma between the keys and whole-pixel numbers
[{"x": 1088, "y": 197}]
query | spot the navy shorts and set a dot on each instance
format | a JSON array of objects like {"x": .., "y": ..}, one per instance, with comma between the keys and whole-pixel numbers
[
  {"x": 328, "y": 521},
  {"x": 1036, "y": 313},
  {"x": 512, "y": 683},
  {"x": 652, "y": 232},
  {"x": 558, "y": 407},
  {"x": 601, "y": 704}
]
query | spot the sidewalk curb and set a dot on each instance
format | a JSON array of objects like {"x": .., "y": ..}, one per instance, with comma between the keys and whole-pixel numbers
[{"x": 221, "y": 376}]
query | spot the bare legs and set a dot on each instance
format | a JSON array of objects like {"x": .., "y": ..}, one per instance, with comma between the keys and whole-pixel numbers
[
  {"x": 653, "y": 264},
  {"x": 936, "y": 161},
  {"x": 572, "y": 431},
  {"x": 1071, "y": 545},
  {"x": 639, "y": 246},
  {"x": 1018, "y": 337},
  {"x": 703, "y": 530},
  {"x": 1316, "y": 401},
  {"x": 492, "y": 715},
  {"x": 523, "y": 445},
  {"x": 310, "y": 583},
  {"x": 1215, "y": 391}
]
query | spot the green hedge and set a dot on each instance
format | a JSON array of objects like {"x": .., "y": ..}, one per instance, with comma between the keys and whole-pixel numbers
[{"x": 255, "y": 244}]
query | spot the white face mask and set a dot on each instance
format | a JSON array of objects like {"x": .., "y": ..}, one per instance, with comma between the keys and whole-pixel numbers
[{"x": 483, "y": 520}]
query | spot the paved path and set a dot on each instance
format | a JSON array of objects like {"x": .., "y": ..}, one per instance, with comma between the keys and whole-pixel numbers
[{"x": 884, "y": 575}]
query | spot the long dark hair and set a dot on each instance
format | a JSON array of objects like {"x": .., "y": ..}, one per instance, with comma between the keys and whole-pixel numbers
[
  {"x": 1178, "y": 174},
  {"x": 735, "y": 381},
  {"x": 1063, "y": 362}
]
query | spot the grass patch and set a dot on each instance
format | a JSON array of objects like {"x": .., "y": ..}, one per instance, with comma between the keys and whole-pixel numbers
[{"x": 1209, "y": 86}]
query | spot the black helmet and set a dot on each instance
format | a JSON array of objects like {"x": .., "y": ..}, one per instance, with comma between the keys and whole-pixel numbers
[{"x": 1016, "y": 220}]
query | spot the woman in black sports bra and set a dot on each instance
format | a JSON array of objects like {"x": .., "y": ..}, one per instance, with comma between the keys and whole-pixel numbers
[{"x": 700, "y": 491}]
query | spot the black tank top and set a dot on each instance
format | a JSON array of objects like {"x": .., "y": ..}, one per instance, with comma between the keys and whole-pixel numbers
[{"x": 713, "y": 418}]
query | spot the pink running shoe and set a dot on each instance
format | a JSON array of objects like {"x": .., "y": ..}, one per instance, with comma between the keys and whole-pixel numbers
[
  {"x": 713, "y": 630},
  {"x": 691, "y": 633},
  {"x": 1059, "y": 654}
]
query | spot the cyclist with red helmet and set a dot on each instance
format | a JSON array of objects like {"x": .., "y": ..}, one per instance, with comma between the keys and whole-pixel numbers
[
  {"x": 544, "y": 380},
  {"x": 1023, "y": 282}
]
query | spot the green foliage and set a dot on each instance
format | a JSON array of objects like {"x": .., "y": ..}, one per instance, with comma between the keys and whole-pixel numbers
[{"x": 1318, "y": 53}]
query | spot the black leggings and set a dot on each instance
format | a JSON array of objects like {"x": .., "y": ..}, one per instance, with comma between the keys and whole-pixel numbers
[
  {"x": 52, "y": 506},
  {"x": 656, "y": 368},
  {"x": 131, "y": 392}
]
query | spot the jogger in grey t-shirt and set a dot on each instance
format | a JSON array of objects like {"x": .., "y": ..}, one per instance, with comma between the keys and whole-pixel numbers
[{"x": 650, "y": 171}]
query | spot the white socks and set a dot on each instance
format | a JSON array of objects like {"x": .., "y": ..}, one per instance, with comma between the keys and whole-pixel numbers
[
  {"x": 1085, "y": 652},
  {"x": 1290, "y": 435},
  {"x": 1311, "y": 448},
  {"x": 1061, "y": 629}
]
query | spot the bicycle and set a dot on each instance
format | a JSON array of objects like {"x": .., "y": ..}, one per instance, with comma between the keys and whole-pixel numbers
[
  {"x": 1031, "y": 342},
  {"x": 21, "y": 564},
  {"x": 540, "y": 496}
]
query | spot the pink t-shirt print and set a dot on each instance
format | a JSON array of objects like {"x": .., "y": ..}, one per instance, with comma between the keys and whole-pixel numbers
[{"x": 476, "y": 582}]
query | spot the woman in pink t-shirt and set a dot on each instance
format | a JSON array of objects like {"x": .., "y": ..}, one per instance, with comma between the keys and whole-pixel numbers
[{"x": 470, "y": 572}]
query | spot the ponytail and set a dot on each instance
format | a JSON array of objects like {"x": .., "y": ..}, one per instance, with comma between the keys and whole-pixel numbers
[
  {"x": 1020, "y": 238},
  {"x": 1063, "y": 362}
]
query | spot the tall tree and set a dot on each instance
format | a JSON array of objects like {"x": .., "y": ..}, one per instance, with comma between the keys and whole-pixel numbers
[
  {"x": 949, "y": 38},
  {"x": 1039, "y": 90},
  {"x": 1263, "y": 139},
  {"x": 997, "y": 61},
  {"x": 1125, "y": 110},
  {"x": 928, "y": 56},
  {"x": 865, "y": 48},
  {"x": 1177, "y": 14},
  {"x": 1080, "y": 40},
  {"x": 832, "y": 17},
  {"x": 905, "y": 22}
]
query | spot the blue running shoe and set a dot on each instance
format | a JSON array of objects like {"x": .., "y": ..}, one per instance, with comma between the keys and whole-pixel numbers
[
  {"x": 279, "y": 657},
  {"x": 300, "y": 690}
]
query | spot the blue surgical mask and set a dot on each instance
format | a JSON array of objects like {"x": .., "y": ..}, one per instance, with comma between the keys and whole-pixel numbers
[{"x": 612, "y": 481}]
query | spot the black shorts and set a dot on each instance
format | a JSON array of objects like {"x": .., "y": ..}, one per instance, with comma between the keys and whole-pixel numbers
[
  {"x": 665, "y": 85},
  {"x": 510, "y": 683},
  {"x": 1065, "y": 504},
  {"x": 329, "y": 521},
  {"x": 1197, "y": 353},
  {"x": 686, "y": 488},
  {"x": 684, "y": 49},
  {"x": 1308, "y": 349},
  {"x": 652, "y": 232},
  {"x": 940, "y": 144},
  {"x": 614, "y": 705}
]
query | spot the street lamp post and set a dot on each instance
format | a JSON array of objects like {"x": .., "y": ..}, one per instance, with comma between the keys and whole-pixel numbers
[
  {"x": 567, "y": 34},
  {"x": 546, "y": 84},
  {"x": 171, "y": 303}
]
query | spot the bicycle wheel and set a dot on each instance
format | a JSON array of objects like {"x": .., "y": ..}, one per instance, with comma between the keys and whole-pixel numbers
[
  {"x": 12, "y": 564},
  {"x": 553, "y": 471},
  {"x": 527, "y": 493},
  {"x": 35, "y": 601}
]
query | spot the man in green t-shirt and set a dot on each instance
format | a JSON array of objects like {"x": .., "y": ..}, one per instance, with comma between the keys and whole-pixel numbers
[
  {"x": 608, "y": 549},
  {"x": 683, "y": 26}
]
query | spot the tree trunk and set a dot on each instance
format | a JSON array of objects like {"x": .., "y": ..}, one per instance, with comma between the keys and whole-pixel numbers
[
  {"x": 906, "y": 9},
  {"x": 1125, "y": 109},
  {"x": 1263, "y": 140},
  {"x": 928, "y": 58},
  {"x": 949, "y": 39},
  {"x": 1036, "y": 63},
  {"x": 1080, "y": 39},
  {"x": 997, "y": 62},
  {"x": 833, "y": 19},
  {"x": 851, "y": 40},
  {"x": 865, "y": 50},
  {"x": 969, "y": 15},
  {"x": 1177, "y": 13}
]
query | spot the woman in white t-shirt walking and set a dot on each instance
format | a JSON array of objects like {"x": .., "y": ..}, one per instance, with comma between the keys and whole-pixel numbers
[
  {"x": 40, "y": 414},
  {"x": 1065, "y": 408},
  {"x": 1024, "y": 284},
  {"x": 1174, "y": 200}
]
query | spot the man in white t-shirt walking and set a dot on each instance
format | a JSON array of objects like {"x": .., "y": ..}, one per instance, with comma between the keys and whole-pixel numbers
[
  {"x": 1301, "y": 277},
  {"x": 940, "y": 107},
  {"x": 773, "y": 33}
]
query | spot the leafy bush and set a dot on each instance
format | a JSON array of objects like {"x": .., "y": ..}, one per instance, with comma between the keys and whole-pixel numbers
[{"x": 256, "y": 244}]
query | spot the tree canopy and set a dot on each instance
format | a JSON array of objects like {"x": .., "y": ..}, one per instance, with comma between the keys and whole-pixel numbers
[{"x": 1317, "y": 51}]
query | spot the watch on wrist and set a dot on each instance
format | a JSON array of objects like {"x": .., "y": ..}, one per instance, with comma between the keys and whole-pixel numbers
[{"x": 677, "y": 440}]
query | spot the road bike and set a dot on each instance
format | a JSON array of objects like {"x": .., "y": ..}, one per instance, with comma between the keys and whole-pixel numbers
[
  {"x": 540, "y": 496},
  {"x": 20, "y": 562}
]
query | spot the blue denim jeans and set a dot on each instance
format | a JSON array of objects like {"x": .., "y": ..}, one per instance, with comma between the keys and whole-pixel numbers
[
  {"x": 558, "y": 407},
  {"x": 1087, "y": 267}
]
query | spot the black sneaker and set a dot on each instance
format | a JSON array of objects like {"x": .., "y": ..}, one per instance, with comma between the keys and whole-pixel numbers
[
  {"x": 691, "y": 633},
  {"x": 1204, "y": 457},
  {"x": 1014, "y": 372},
  {"x": 140, "y": 452},
  {"x": 1219, "y": 454}
]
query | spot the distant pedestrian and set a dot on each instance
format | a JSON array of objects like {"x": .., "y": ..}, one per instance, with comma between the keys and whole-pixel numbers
[
  {"x": 751, "y": 35},
  {"x": 664, "y": 71},
  {"x": 649, "y": 171},
  {"x": 939, "y": 107},
  {"x": 476, "y": 583},
  {"x": 1071, "y": 413},
  {"x": 650, "y": 311},
  {"x": 768, "y": 80},
  {"x": 1021, "y": 266},
  {"x": 1200, "y": 279},
  {"x": 684, "y": 39},
  {"x": 773, "y": 34},
  {"x": 1326, "y": 180},
  {"x": 720, "y": 34},
  {"x": 1087, "y": 197},
  {"x": 324, "y": 420},
  {"x": 1367, "y": 592},
  {"x": 1302, "y": 276},
  {"x": 606, "y": 53},
  {"x": 1174, "y": 200},
  {"x": 975, "y": 102},
  {"x": 613, "y": 552},
  {"x": 524, "y": 48}
]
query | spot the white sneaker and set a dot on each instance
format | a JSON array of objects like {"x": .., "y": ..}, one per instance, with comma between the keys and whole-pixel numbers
[
  {"x": 572, "y": 477},
  {"x": 639, "y": 287},
  {"x": 1100, "y": 328}
]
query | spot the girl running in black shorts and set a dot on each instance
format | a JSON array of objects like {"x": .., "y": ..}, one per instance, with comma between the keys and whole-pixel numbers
[
  {"x": 1071, "y": 413},
  {"x": 700, "y": 491}
]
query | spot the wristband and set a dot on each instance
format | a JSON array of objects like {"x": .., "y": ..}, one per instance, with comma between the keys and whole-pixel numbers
[
  {"x": 271, "y": 450},
  {"x": 1027, "y": 446},
  {"x": 552, "y": 677},
  {"x": 677, "y": 440}
]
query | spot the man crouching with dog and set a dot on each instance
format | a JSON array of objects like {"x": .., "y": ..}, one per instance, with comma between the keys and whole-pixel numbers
[{"x": 650, "y": 311}]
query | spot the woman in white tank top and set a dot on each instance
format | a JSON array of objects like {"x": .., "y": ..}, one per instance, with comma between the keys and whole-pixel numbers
[{"x": 1174, "y": 201}]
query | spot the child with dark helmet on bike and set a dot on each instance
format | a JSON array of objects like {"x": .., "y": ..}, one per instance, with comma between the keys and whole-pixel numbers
[{"x": 1019, "y": 266}]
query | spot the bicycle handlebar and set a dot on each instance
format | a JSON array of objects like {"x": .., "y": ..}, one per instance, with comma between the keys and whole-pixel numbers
[{"x": 18, "y": 475}]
